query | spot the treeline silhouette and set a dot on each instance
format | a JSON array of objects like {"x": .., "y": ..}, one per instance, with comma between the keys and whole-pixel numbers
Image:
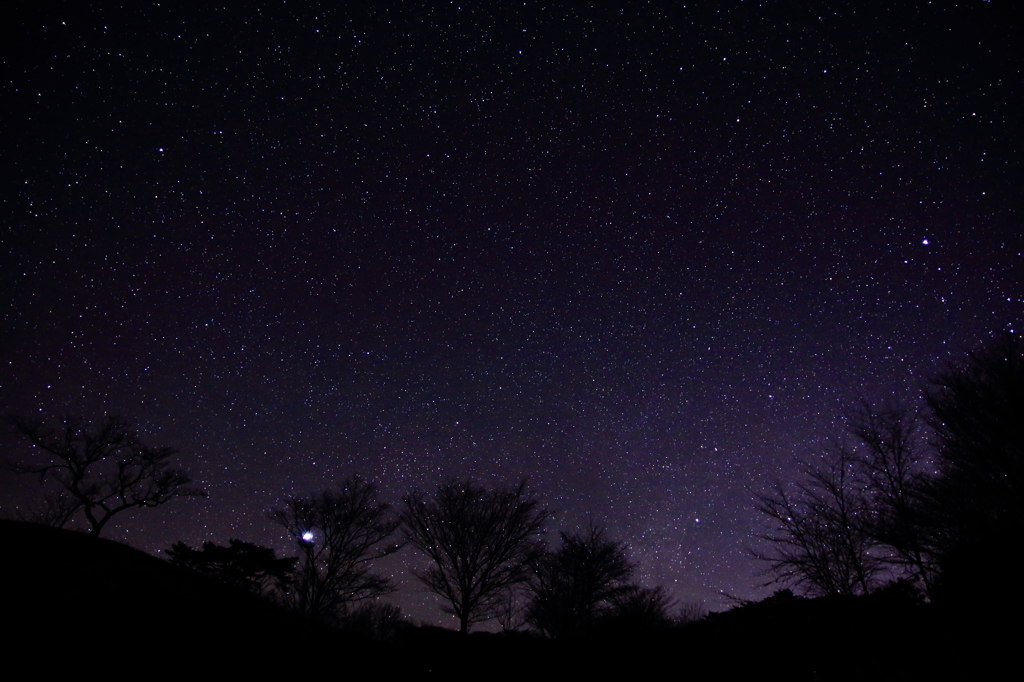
[
  {"x": 933, "y": 498},
  {"x": 905, "y": 542}
]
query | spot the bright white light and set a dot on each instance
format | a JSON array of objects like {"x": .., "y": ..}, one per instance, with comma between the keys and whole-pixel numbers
[
  {"x": 308, "y": 536},
  {"x": 925, "y": 241}
]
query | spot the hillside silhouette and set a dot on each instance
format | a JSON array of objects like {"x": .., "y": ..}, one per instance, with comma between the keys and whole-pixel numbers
[
  {"x": 85, "y": 596},
  {"x": 91, "y": 599}
]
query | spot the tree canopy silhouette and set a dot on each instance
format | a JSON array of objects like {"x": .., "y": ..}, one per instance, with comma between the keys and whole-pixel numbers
[
  {"x": 642, "y": 610},
  {"x": 102, "y": 471},
  {"x": 242, "y": 565},
  {"x": 947, "y": 519},
  {"x": 480, "y": 542},
  {"x": 572, "y": 585},
  {"x": 338, "y": 532},
  {"x": 819, "y": 537},
  {"x": 892, "y": 469},
  {"x": 975, "y": 507}
]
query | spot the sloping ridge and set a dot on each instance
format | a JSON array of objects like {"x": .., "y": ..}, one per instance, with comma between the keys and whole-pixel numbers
[{"x": 69, "y": 593}]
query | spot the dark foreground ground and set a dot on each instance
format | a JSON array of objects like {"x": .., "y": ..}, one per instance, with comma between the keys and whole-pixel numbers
[{"x": 72, "y": 604}]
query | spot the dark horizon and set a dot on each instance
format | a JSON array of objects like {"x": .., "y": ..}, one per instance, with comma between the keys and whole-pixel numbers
[{"x": 646, "y": 258}]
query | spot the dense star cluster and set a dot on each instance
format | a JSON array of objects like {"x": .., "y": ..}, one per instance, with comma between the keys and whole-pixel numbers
[{"x": 645, "y": 256}]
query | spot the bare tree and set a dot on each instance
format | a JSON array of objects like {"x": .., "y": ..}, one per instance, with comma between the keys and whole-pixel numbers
[
  {"x": 375, "y": 620},
  {"x": 820, "y": 537},
  {"x": 338, "y": 533},
  {"x": 878, "y": 506},
  {"x": 102, "y": 471},
  {"x": 642, "y": 609},
  {"x": 690, "y": 612},
  {"x": 510, "y": 609},
  {"x": 480, "y": 543},
  {"x": 56, "y": 510},
  {"x": 574, "y": 584},
  {"x": 894, "y": 468}
]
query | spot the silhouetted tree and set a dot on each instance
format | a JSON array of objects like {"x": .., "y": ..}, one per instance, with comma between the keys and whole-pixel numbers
[
  {"x": 951, "y": 531},
  {"x": 510, "y": 609},
  {"x": 375, "y": 620},
  {"x": 690, "y": 612},
  {"x": 241, "y": 564},
  {"x": 639, "y": 609},
  {"x": 56, "y": 510},
  {"x": 480, "y": 543},
  {"x": 893, "y": 468},
  {"x": 102, "y": 471},
  {"x": 820, "y": 537},
  {"x": 339, "y": 533},
  {"x": 576, "y": 583},
  {"x": 976, "y": 504}
]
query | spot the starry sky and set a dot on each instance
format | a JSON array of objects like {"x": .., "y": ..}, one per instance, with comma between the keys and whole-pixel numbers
[{"x": 645, "y": 255}]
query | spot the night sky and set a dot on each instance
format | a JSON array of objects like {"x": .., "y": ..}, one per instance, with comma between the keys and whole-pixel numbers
[{"x": 645, "y": 257}]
